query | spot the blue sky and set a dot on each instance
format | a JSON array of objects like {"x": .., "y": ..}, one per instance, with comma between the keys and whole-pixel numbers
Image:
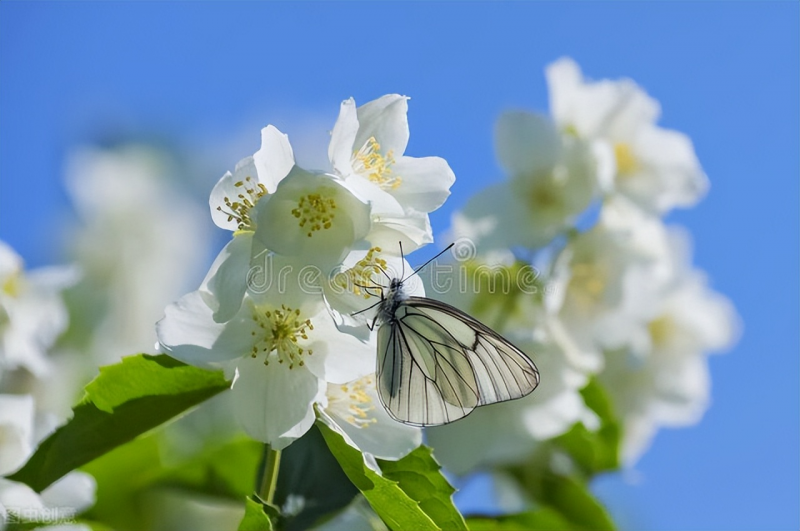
[{"x": 206, "y": 76}]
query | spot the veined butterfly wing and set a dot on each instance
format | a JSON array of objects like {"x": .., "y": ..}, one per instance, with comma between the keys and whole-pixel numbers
[{"x": 436, "y": 364}]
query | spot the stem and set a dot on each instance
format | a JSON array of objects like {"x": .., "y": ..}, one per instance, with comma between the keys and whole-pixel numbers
[{"x": 268, "y": 473}]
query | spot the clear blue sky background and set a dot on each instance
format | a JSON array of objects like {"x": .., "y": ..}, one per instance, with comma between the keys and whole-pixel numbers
[{"x": 205, "y": 74}]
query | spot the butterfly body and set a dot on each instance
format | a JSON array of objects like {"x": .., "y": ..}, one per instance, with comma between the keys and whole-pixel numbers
[{"x": 436, "y": 364}]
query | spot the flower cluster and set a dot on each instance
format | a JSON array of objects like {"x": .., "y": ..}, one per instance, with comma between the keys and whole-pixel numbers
[
  {"x": 618, "y": 301},
  {"x": 32, "y": 316},
  {"x": 275, "y": 308}
]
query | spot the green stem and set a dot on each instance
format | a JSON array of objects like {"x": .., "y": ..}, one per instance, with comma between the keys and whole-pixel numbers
[{"x": 268, "y": 474}]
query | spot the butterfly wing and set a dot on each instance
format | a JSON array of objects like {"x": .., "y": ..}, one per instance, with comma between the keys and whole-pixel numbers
[{"x": 436, "y": 364}]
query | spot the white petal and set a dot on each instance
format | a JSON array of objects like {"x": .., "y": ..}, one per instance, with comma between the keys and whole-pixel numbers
[
  {"x": 412, "y": 229},
  {"x": 425, "y": 182},
  {"x": 376, "y": 432},
  {"x": 386, "y": 120},
  {"x": 75, "y": 490},
  {"x": 526, "y": 143},
  {"x": 275, "y": 159},
  {"x": 612, "y": 109},
  {"x": 16, "y": 431},
  {"x": 189, "y": 333},
  {"x": 226, "y": 282},
  {"x": 671, "y": 175},
  {"x": 216, "y": 202},
  {"x": 18, "y": 496},
  {"x": 343, "y": 136},
  {"x": 273, "y": 403},
  {"x": 563, "y": 81},
  {"x": 338, "y": 357},
  {"x": 10, "y": 262}
]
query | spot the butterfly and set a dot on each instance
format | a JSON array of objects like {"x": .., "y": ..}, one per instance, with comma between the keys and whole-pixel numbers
[{"x": 436, "y": 364}]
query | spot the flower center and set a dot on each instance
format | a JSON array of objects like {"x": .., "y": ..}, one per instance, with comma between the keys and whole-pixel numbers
[
  {"x": 358, "y": 403},
  {"x": 358, "y": 278},
  {"x": 588, "y": 282},
  {"x": 627, "y": 164},
  {"x": 11, "y": 284},
  {"x": 280, "y": 332},
  {"x": 368, "y": 160},
  {"x": 315, "y": 212},
  {"x": 661, "y": 330},
  {"x": 249, "y": 192}
]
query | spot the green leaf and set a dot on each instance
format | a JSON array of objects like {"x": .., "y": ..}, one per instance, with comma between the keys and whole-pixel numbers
[
  {"x": 311, "y": 484},
  {"x": 397, "y": 509},
  {"x": 123, "y": 402},
  {"x": 570, "y": 497},
  {"x": 418, "y": 474},
  {"x": 255, "y": 519},
  {"x": 594, "y": 451},
  {"x": 567, "y": 495},
  {"x": 545, "y": 519},
  {"x": 121, "y": 476},
  {"x": 222, "y": 471}
]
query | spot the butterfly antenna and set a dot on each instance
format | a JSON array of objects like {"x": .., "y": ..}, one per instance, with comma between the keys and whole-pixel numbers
[
  {"x": 402, "y": 260},
  {"x": 420, "y": 268},
  {"x": 384, "y": 272}
]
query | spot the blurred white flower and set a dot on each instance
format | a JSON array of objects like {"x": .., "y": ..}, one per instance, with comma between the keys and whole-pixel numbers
[
  {"x": 75, "y": 491},
  {"x": 509, "y": 432},
  {"x": 367, "y": 151},
  {"x": 553, "y": 179},
  {"x": 665, "y": 381},
  {"x": 655, "y": 167},
  {"x": 282, "y": 345},
  {"x": 607, "y": 280},
  {"x": 141, "y": 241},
  {"x": 354, "y": 410},
  {"x": 32, "y": 311}
]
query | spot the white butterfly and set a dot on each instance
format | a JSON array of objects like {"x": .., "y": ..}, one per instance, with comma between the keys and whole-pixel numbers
[{"x": 436, "y": 363}]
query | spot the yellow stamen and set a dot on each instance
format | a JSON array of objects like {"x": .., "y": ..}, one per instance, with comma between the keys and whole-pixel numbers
[
  {"x": 369, "y": 160},
  {"x": 661, "y": 330},
  {"x": 361, "y": 274},
  {"x": 249, "y": 192},
  {"x": 315, "y": 212},
  {"x": 627, "y": 164},
  {"x": 280, "y": 331}
]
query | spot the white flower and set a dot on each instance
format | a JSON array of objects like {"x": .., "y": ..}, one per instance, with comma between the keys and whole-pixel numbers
[
  {"x": 141, "y": 241},
  {"x": 606, "y": 280},
  {"x": 367, "y": 151},
  {"x": 656, "y": 167},
  {"x": 367, "y": 146},
  {"x": 236, "y": 194},
  {"x": 509, "y": 432},
  {"x": 313, "y": 218},
  {"x": 282, "y": 345},
  {"x": 354, "y": 410},
  {"x": 502, "y": 293},
  {"x": 665, "y": 382},
  {"x": 233, "y": 205},
  {"x": 75, "y": 491},
  {"x": 553, "y": 178},
  {"x": 32, "y": 312}
]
